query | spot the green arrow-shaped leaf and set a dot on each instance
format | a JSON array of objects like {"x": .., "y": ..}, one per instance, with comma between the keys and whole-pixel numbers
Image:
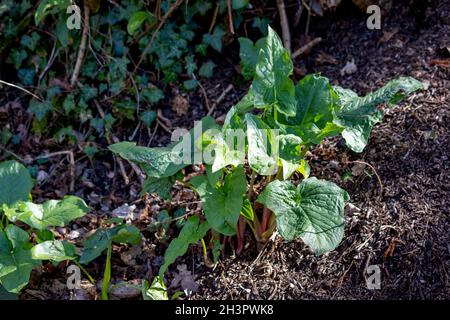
[
  {"x": 192, "y": 232},
  {"x": 51, "y": 213},
  {"x": 55, "y": 250},
  {"x": 222, "y": 204},
  {"x": 313, "y": 211},
  {"x": 15, "y": 183},
  {"x": 16, "y": 262}
]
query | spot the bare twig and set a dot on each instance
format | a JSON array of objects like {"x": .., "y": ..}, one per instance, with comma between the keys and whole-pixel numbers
[
  {"x": 298, "y": 13},
  {"x": 205, "y": 95},
  {"x": 230, "y": 16},
  {"x": 29, "y": 160},
  {"x": 284, "y": 25},
  {"x": 108, "y": 138},
  {"x": 23, "y": 89},
  {"x": 374, "y": 171},
  {"x": 81, "y": 51},
  {"x": 50, "y": 61},
  {"x": 163, "y": 121},
  {"x": 306, "y": 47},
  {"x": 221, "y": 97},
  {"x": 213, "y": 21},
  {"x": 135, "y": 168}
]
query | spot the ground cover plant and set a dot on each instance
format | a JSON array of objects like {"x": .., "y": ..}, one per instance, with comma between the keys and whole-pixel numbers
[
  {"x": 22, "y": 249},
  {"x": 278, "y": 122}
]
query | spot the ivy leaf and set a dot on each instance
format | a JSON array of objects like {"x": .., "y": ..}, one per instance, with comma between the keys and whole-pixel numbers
[
  {"x": 40, "y": 109},
  {"x": 214, "y": 39},
  {"x": 51, "y": 213},
  {"x": 192, "y": 232},
  {"x": 262, "y": 149},
  {"x": 16, "y": 262},
  {"x": 239, "y": 4},
  {"x": 15, "y": 183},
  {"x": 148, "y": 117},
  {"x": 222, "y": 204},
  {"x": 55, "y": 250},
  {"x": 359, "y": 114},
  {"x": 206, "y": 70},
  {"x": 136, "y": 21},
  {"x": 313, "y": 211},
  {"x": 249, "y": 56},
  {"x": 271, "y": 84},
  {"x": 152, "y": 95}
]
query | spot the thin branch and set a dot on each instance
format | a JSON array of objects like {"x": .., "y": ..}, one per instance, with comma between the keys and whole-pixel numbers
[
  {"x": 221, "y": 97},
  {"x": 108, "y": 138},
  {"x": 374, "y": 171},
  {"x": 306, "y": 47},
  {"x": 213, "y": 22},
  {"x": 284, "y": 25},
  {"x": 20, "y": 88},
  {"x": 230, "y": 16},
  {"x": 81, "y": 51}
]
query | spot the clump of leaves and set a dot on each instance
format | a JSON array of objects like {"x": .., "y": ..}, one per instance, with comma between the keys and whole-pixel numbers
[
  {"x": 18, "y": 255},
  {"x": 280, "y": 121},
  {"x": 119, "y": 37}
]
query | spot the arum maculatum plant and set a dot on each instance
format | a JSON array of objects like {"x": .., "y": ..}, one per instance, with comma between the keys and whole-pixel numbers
[{"x": 264, "y": 138}]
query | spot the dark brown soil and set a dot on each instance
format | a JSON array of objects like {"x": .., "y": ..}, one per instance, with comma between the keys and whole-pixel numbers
[{"x": 404, "y": 225}]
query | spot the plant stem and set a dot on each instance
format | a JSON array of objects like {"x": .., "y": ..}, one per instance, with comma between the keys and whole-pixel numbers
[
  {"x": 266, "y": 212},
  {"x": 91, "y": 280},
  {"x": 107, "y": 274},
  {"x": 240, "y": 234},
  {"x": 205, "y": 254},
  {"x": 252, "y": 182}
]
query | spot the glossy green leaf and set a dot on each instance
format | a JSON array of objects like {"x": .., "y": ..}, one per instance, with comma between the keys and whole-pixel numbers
[
  {"x": 156, "y": 291},
  {"x": 262, "y": 146},
  {"x": 55, "y": 250},
  {"x": 15, "y": 183},
  {"x": 247, "y": 210},
  {"x": 166, "y": 161},
  {"x": 191, "y": 233},
  {"x": 359, "y": 114},
  {"x": 248, "y": 53},
  {"x": 290, "y": 154},
  {"x": 16, "y": 262},
  {"x": 49, "y": 7},
  {"x": 55, "y": 213},
  {"x": 137, "y": 20},
  {"x": 94, "y": 246},
  {"x": 271, "y": 84},
  {"x": 222, "y": 204},
  {"x": 127, "y": 234},
  {"x": 313, "y": 211}
]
